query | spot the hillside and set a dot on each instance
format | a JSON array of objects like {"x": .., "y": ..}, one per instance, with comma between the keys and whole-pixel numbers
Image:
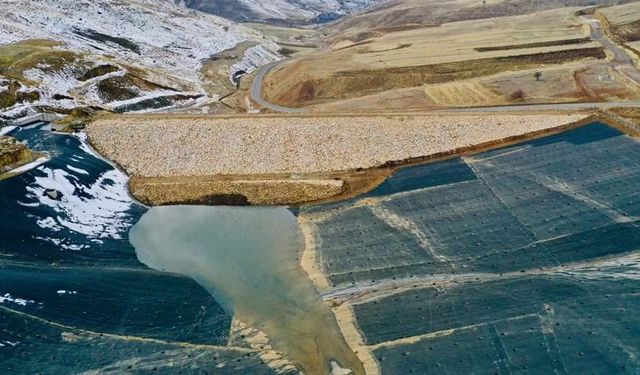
[
  {"x": 282, "y": 12},
  {"x": 394, "y": 14},
  {"x": 418, "y": 55},
  {"x": 121, "y": 56}
]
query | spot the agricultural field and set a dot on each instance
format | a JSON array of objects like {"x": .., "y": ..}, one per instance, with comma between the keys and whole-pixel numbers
[
  {"x": 624, "y": 21},
  {"x": 459, "y": 61},
  {"x": 522, "y": 258}
]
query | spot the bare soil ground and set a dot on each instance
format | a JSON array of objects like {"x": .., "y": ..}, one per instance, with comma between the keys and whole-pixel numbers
[
  {"x": 624, "y": 21},
  {"x": 14, "y": 154}
]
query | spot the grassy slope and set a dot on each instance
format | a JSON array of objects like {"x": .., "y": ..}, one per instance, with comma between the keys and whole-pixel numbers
[{"x": 17, "y": 58}]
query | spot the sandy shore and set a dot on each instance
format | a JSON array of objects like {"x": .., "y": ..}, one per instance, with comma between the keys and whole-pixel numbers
[
  {"x": 164, "y": 146},
  {"x": 343, "y": 312}
]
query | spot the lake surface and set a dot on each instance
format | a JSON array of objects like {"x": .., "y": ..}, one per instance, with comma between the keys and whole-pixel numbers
[
  {"x": 248, "y": 258},
  {"x": 73, "y": 295},
  {"x": 524, "y": 259},
  {"x": 68, "y": 273}
]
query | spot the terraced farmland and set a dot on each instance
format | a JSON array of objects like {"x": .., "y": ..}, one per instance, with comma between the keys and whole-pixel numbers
[{"x": 523, "y": 259}]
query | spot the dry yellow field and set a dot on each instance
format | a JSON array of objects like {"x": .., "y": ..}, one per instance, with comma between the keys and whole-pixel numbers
[
  {"x": 465, "y": 93},
  {"x": 457, "y": 41},
  {"x": 447, "y": 63},
  {"x": 577, "y": 82},
  {"x": 622, "y": 14}
]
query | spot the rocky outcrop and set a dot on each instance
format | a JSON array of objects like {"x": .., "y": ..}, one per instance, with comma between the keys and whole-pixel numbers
[{"x": 13, "y": 154}]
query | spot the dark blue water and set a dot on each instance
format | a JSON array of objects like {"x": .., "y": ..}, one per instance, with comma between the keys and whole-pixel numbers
[{"x": 73, "y": 295}]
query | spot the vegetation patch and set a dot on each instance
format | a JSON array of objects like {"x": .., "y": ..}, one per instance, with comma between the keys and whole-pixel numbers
[
  {"x": 550, "y": 43},
  {"x": 13, "y": 154},
  {"x": 629, "y": 32},
  {"x": 632, "y": 113},
  {"x": 154, "y": 103},
  {"x": 12, "y": 96},
  {"x": 98, "y": 71},
  {"x": 125, "y": 87},
  {"x": 116, "y": 89},
  {"x": 104, "y": 38},
  {"x": 19, "y": 57}
]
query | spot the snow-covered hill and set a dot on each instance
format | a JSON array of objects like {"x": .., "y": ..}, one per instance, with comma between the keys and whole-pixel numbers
[
  {"x": 278, "y": 11},
  {"x": 113, "y": 53}
]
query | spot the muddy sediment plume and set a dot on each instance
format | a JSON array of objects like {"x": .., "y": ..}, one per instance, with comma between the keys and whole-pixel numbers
[{"x": 249, "y": 259}]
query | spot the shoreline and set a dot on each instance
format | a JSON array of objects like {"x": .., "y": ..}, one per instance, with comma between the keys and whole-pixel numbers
[{"x": 342, "y": 312}]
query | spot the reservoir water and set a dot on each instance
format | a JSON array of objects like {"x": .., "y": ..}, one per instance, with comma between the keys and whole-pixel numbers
[
  {"x": 76, "y": 296},
  {"x": 248, "y": 258},
  {"x": 523, "y": 259}
]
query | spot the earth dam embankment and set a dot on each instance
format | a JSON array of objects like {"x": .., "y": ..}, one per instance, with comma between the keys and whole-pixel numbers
[{"x": 271, "y": 160}]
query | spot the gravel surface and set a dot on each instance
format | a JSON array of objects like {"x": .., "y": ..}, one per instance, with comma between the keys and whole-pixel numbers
[
  {"x": 197, "y": 146},
  {"x": 256, "y": 192}
]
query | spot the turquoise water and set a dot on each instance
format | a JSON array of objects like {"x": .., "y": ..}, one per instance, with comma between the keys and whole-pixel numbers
[{"x": 248, "y": 258}]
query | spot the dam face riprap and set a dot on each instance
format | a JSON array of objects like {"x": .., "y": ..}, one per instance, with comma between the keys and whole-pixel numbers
[{"x": 523, "y": 259}]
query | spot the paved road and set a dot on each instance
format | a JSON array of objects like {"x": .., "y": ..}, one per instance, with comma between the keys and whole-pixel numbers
[
  {"x": 256, "y": 91},
  {"x": 621, "y": 60}
]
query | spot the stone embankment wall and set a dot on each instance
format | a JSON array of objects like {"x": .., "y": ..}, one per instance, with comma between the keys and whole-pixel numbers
[{"x": 286, "y": 159}]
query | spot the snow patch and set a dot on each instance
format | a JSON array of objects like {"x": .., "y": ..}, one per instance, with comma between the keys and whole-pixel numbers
[
  {"x": 77, "y": 170},
  {"x": 7, "y": 129},
  {"x": 27, "y": 167},
  {"x": 63, "y": 292},
  {"x": 164, "y": 40},
  {"x": 49, "y": 223},
  {"x": 337, "y": 370},
  {"x": 253, "y": 58},
  {"x": 51, "y": 83},
  {"x": 63, "y": 243},
  {"x": 101, "y": 210},
  {"x": 18, "y": 301}
]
